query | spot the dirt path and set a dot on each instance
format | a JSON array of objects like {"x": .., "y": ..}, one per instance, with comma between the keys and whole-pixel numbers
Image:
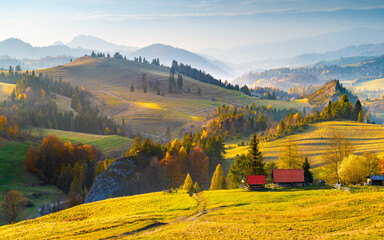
[{"x": 129, "y": 105}]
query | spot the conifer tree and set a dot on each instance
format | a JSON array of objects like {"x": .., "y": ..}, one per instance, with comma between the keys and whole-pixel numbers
[
  {"x": 218, "y": 178},
  {"x": 254, "y": 160},
  {"x": 289, "y": 157},
  {"x": 132, "y": 88},
  {"x": 307, "y": 173},
  {"x": 360, "y": 117},
  {"x": 188, "y": 183}
]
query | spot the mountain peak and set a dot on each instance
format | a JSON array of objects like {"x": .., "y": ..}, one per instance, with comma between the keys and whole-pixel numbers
[{"x": 331, "y": 91}]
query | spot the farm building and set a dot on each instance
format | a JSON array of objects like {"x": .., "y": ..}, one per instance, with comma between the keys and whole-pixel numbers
[
  {"x": 376, "y": 180},
  {"x": 256, "y": 182},
  {"x": 288, "y": 177}
]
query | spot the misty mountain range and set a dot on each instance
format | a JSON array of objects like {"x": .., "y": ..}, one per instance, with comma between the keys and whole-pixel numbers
[{"x": 224, "y": 64}]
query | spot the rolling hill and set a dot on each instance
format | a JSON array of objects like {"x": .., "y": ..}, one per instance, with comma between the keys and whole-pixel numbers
[
  {"x": 312, "y": 142},
  {"x": 6, "y": 90},
  {"x": 222, "y": 214},
  {"x": 148, "y": 113},
  {"x": 284, "y": 78},
  {"x": 167, "y": 54}
]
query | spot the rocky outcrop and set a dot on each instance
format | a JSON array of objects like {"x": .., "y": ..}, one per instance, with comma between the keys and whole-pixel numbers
[{"x": 117, "y": 180}]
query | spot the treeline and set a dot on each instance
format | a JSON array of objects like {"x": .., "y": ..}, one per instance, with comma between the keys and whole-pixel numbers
[
  {"x": 201, "y": 76},
  {"x": 272, "y": 93},
  {"x": 71, "y": 167},
  {"x": 168, "y": 165},
  {"x": 34, "y": 101},
  {"x": 230, "y": 120}
]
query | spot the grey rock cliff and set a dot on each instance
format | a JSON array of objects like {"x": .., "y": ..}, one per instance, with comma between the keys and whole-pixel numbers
[{"x": 116, "y": 180}]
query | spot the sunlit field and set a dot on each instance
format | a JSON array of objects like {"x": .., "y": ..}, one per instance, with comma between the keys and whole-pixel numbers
[
  {"x": 312, "y": 142},
  {"x": 303, "y": 213},
  {"x": 108, "y": 144},
  {"x": 6, "y": 90}
]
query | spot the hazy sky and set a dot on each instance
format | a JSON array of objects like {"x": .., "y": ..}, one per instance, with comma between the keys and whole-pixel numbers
[{"x": 194, "y": 25}]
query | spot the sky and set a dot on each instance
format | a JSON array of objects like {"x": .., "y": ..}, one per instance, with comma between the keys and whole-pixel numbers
[{"x": 191, "y": 24}]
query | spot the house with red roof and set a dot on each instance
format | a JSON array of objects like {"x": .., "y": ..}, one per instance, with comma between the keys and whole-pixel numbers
[
  {"x": 256, "y": 182},
  {"x": 288, "y": 177}
]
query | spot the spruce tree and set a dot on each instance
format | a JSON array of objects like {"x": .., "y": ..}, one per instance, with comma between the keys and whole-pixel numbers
[
  {"x": 217, "y": 178},
  {"x": 307, "y": 173},
  {"x": 188, "y": 183},
  {"x": 254, "y": 164}
]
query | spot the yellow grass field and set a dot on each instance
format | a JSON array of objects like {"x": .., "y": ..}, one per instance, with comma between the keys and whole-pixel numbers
[
  {"x": 372, "y": 85},
  {"x": 303, "y": 213},
  {"x": 312, "y": 142},
  {"x": 6, "y": 90}
]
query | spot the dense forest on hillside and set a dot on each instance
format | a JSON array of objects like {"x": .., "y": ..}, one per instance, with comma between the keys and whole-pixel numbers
[{"x": 34, "y": 102}]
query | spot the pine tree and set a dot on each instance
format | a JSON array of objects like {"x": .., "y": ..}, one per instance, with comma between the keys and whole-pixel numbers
[
  {"x": 307, "y": 173},
  {"x": 360, "y": 117},
  {"x": 254, "y": 160},
  {"x": 217, "y": 178},
  {"x": 188, "y": 183},
  {"x": 132, "y": 88}
]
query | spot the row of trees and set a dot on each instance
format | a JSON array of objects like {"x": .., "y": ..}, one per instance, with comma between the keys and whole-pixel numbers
[{"x": 71, "y": 167}]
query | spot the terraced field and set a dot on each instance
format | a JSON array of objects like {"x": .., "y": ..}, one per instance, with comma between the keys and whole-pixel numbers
[
  {"x": 305, "y": 213},
  {"x": 312, "y": 142}
]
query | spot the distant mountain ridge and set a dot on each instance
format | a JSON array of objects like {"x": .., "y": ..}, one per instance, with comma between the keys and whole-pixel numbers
[
  {"x": 167, "y": 54},
  {"x": 289, "y": 49},
  {"x": 94, "y": 43},
  {"x": 19, "y": 49}
]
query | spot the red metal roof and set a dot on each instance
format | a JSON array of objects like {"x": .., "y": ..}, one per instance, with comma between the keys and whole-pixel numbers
[
  {"x": 288, "y": 175},
  {"x": 256, "y": 179}
]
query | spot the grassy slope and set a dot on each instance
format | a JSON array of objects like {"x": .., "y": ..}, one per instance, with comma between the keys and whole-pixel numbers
[
  {"x": 14, "y": 177},
  {"x": 109, "y": 144},
  {"x": 312, "y": 142},
  {"x": 304, "y": 214},
  {"x": 371, "y": 85},
  {"x": 110, "y": 81},
  {"x": 6, "y": 90}
]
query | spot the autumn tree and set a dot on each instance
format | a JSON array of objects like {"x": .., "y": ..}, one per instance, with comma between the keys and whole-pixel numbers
[
  {"x": 198, "y": 165},
  {"x": 196, "y": 188},
  {"x": 11, "y": 206},
  {"x": 337, "y": 148},
  {"x": 351, "y": 170},
  {"x": 254, "y": 160},
  {"x": 218, "y": 179},
  {"x": 289, "y": 157},
  {"x": 371, "y": 163},
  {"x": 188, "y": 184}
]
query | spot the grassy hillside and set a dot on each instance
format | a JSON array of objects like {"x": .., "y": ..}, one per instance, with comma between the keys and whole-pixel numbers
[
  {"x": 6, "y": 90},
  {"x": 371, "y": 85},
  {"x": 296, "y": 213},
  {"x": 13, "y": 176},
  {"x": 109, "y": 144},
  {"x": 312, "y": 142},
  {"x": 110, "y": 80}
]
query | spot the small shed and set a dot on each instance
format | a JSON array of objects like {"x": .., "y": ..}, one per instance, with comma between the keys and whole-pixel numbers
[
  {"x": 288, "y": 177},
  {"x": 256, "y": 182},
  {"x": 376, "y": 180}
]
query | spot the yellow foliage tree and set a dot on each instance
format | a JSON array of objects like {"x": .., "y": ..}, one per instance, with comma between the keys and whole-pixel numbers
[{"x": 352, "y": 170}]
